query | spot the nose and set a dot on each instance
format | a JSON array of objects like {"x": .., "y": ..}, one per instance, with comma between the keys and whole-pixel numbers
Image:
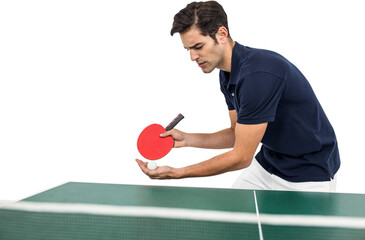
[{"x": 193, "y": 55}]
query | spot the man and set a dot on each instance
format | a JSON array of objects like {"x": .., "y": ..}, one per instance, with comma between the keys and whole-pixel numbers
[{"x": 269, "y": 101}]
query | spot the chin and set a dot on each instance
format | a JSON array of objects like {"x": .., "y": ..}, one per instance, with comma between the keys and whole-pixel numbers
[{"x": 207, "y": 70}]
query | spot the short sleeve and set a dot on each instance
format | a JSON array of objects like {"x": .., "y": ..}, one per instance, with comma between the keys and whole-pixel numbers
[{"x": 258, "y": 97}]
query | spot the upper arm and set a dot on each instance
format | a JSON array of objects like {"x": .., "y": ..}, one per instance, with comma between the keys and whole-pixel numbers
[
  {"x": 233, "y": 118},
  {"x": 247, "y": 139},
  {"x": 258, "y": 98}
]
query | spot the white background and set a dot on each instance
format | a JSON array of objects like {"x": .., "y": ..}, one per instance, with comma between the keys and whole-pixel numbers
[{"x": 79, "y": 80}]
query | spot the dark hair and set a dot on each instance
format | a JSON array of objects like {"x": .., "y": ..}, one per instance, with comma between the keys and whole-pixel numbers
[{"x": 207, "y": 16}]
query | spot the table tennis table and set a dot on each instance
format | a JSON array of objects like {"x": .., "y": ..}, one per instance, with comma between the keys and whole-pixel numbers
[{"x": 90, "y": 211}]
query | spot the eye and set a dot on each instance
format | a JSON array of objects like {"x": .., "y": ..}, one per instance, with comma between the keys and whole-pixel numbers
[{"x": 200, "y": 47}]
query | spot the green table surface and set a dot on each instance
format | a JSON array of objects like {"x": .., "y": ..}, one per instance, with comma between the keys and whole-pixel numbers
[{"x": 277, "y": 210}]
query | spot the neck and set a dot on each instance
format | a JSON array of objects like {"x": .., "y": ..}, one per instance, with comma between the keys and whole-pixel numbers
[{"x": 227, "y": 57}]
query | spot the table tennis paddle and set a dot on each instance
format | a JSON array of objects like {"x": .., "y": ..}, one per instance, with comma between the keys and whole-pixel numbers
[{"x": 151, "y": 146}]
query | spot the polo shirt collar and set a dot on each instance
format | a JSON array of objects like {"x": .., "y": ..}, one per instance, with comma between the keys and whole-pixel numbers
[{"x": 237, "y": 54}]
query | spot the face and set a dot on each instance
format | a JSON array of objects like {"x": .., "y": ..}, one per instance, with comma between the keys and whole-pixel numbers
[{"x": 207, "y": 53}]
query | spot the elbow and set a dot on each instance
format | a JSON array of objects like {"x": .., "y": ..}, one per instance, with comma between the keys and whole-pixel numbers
[{"x": 242, "y": 161}]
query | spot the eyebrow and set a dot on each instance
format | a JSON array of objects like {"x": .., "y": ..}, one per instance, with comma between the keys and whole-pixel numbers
[{"x": 194, "y": 46}]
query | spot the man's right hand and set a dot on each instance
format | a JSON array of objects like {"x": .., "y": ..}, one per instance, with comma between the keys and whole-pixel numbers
[{"x": 179, "y": 137}]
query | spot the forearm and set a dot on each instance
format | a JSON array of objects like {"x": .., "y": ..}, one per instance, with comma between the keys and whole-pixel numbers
[
  {"x": 219, "y": 140},
  {"x": 229, "y": 161}
]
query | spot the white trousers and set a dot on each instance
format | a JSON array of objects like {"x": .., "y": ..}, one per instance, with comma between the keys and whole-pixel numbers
[{"x": 256, "y": 177}]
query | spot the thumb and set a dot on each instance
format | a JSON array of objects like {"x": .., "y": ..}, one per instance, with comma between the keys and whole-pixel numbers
[{"x": 165, "y": 134}]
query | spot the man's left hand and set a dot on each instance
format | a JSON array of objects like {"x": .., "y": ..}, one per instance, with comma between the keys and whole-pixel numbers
[{"x": 162, "y": 172}]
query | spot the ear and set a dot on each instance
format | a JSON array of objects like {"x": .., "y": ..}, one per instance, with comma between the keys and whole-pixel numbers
[{"x": 222, "y": 35}]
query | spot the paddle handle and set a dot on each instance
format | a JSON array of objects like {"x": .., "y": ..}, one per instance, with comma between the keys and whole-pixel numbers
[{"x": 174, "y": 122}]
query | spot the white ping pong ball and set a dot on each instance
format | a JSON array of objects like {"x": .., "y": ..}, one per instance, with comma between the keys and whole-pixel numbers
[{"x": 151, "y": 165}]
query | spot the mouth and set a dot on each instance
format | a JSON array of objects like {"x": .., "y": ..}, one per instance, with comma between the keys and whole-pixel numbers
[{"x": 202, "y": 64}]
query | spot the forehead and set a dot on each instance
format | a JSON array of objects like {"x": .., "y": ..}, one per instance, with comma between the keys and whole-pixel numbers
[{"x": 193, "y": 36}]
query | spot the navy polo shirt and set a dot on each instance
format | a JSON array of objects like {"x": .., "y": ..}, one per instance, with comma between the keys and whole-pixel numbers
[{"x": 299, "y": 143}]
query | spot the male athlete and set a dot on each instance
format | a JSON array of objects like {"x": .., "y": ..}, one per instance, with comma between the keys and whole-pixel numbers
[{"x": 269, "y": 101}]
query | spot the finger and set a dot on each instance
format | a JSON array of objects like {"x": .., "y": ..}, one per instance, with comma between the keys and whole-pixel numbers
[
  {"x": 141, "y": 163},
  {"x": 166, "y": 134},
  {"x": 143, "y": 166},
  {"x": 153, "y": 174},
  {"x": 177, "y": 144}
]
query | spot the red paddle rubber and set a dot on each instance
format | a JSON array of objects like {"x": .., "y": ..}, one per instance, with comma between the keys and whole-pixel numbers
[{"x": 151, "y": 146}]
